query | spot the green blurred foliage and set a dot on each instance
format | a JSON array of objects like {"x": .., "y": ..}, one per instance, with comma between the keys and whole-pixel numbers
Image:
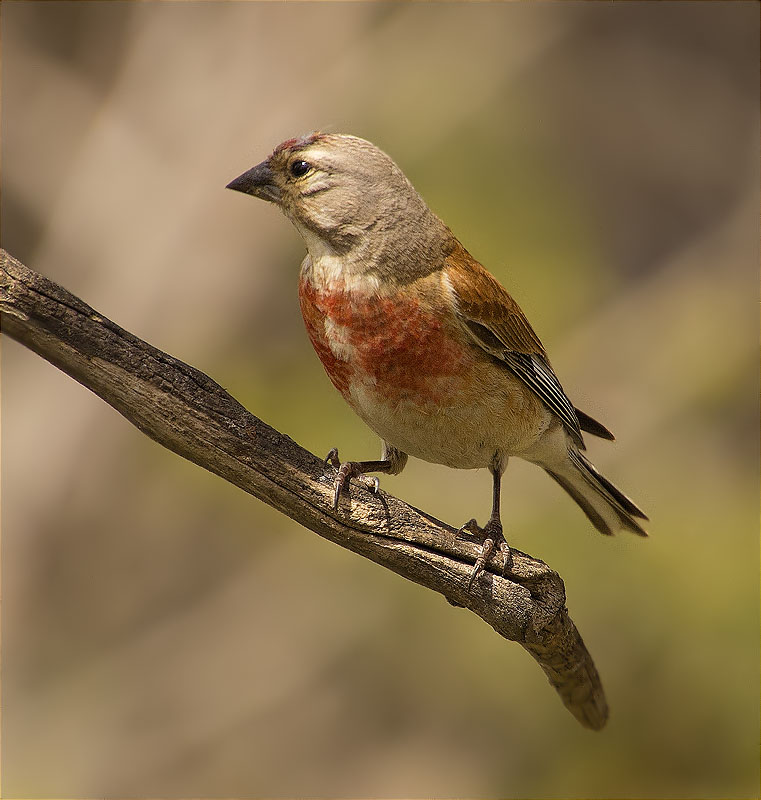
[{"x": 166, "y": 635}]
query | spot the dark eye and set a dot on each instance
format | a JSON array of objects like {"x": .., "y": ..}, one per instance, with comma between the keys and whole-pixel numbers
[{"x": 299, "y": 168}]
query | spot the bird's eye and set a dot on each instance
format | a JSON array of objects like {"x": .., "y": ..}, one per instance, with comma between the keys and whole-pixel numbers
[{"x": 299, "y": 168}]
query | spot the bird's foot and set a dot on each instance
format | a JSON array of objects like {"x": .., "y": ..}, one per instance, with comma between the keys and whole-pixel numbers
[
  {"x": 347, "y": 471},
  {"x": 491, "y": 538}
]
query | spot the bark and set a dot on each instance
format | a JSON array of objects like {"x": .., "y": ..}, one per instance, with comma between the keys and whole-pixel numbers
[{"x": 186, "y": 411}]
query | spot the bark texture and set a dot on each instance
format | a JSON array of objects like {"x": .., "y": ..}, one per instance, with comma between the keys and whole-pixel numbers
[{"x": 186, "y": 411}]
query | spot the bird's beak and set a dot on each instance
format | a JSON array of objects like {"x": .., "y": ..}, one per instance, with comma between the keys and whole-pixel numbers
[{"x": 258, "y": 181}]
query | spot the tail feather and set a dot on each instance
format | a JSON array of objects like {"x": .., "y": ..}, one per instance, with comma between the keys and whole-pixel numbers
[
  {"x": 607, "y": 507},
  {"x": 591, "y": 425}
]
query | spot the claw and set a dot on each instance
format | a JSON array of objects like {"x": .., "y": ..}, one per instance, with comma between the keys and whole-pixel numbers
[
  {"x": 491, "y": 538},
  {"x": 347, "y": 471},
  {"x": 478, "y": 567},
  {"x": 332, "y": 458},
  {"x": 342, "y": 481},
  {"x": 471, "y": 527},
  {"x": 507, "y": 555}
]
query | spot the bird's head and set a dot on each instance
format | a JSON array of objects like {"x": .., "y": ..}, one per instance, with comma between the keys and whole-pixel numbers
[{"x": 337, "y": 189}]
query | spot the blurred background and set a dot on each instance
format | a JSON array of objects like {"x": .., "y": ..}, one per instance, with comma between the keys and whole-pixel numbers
[{"x": 165, "y": 634}]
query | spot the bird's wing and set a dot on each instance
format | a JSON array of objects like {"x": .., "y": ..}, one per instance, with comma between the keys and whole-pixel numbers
[
  {"x": 591, "y": 425},
  {"x": 496, "y": 323}
]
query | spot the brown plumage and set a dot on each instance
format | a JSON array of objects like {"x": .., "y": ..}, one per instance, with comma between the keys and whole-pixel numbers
[{"x": 425, "y": 345}]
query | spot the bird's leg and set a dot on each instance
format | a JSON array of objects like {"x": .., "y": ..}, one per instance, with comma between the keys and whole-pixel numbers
[
  {"x": 491, "y": 534},
  {"x": 392, "y": 463}
]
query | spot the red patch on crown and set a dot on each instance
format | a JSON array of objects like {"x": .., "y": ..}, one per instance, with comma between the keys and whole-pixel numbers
[{"x": 297, "y": 143}]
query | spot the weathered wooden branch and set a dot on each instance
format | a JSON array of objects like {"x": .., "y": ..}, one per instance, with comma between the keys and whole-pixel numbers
[{"x": 187, "y": 412}]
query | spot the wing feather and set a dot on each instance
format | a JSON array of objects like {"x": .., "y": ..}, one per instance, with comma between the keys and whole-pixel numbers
[{"x": 496, "y": 323}]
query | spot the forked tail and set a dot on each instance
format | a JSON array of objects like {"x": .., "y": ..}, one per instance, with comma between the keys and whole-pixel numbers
[{"x": 607, "y": 507}]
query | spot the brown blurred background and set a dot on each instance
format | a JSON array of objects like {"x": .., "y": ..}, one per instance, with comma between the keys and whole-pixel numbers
[{"x": 166, "y": 635}]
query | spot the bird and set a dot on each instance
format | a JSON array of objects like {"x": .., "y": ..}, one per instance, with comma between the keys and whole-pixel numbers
[{"x": 422, "y": 342}]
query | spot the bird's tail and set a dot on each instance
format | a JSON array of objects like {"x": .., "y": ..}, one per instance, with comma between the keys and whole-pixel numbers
[{"x": 607, "y": 507}]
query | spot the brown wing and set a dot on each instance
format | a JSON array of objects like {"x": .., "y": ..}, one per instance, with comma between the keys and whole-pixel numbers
[{"x": 496, "y": 323}]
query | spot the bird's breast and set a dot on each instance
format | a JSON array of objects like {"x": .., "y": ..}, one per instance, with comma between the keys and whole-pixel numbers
[
  {"x": 396, "y": 344},
  {"x": 401, "y": 361}
]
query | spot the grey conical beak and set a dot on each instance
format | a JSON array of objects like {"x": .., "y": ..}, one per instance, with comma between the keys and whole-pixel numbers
[{"x": 258, "y": 181}]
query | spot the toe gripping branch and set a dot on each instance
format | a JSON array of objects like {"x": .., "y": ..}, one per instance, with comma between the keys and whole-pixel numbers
[
  {"x": 353, "y": 469},
  {"x": 491, "y": 538}
]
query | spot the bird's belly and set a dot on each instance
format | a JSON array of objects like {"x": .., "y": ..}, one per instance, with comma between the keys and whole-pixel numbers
[
  {"x": 466, "y": 434},
  {"x": 411, "y": 375}
]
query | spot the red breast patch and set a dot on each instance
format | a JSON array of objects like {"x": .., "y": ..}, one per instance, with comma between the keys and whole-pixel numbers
[{"x": 397, "y": 345}]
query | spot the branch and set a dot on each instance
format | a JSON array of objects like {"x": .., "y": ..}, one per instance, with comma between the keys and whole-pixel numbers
[{"x": 187, "y": 412}]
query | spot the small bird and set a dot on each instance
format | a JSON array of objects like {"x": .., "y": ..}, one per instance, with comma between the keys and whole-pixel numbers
[{"x": 422, "y": 342}]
